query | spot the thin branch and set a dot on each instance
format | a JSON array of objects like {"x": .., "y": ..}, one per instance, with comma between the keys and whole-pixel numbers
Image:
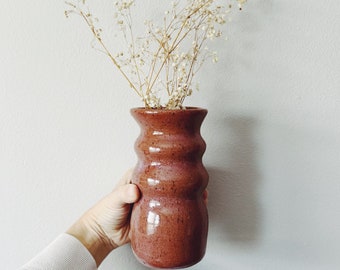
[{"x": 92, "y": 28}]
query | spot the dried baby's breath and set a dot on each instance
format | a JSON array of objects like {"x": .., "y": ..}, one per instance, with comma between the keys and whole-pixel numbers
[{"x": 162, "y": 62}]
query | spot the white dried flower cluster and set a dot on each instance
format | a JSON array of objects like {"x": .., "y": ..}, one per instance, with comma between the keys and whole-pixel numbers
[{"x": 162, "y": 62}]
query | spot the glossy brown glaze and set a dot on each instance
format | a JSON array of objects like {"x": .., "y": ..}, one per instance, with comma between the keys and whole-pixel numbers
[{"x": 169, "y": 224}]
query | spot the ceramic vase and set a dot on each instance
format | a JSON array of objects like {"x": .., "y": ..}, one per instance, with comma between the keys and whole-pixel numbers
[{"x": 169, "y": 224}]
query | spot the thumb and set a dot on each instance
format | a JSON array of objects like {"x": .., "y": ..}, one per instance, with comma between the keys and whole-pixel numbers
[{"x": 125, "y": 194}]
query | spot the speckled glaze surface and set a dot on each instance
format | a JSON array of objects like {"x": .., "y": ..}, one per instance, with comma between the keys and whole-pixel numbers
[{"x": 169, "y": 224}]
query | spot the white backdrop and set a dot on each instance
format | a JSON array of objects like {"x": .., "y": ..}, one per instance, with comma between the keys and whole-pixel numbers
[{"x": 273, "y": 130}]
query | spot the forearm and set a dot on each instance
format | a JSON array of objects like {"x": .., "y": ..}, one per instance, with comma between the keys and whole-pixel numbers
[{"x": 65, "y": 252}]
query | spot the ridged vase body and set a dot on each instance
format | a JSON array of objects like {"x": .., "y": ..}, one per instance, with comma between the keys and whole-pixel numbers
[{"x": 169, "y": 224}]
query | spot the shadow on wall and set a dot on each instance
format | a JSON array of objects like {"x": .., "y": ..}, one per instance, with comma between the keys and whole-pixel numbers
[{"x": 233, "y": 203}]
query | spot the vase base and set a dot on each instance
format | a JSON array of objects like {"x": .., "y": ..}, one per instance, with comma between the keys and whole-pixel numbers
[{"x": 157, "y": 265}]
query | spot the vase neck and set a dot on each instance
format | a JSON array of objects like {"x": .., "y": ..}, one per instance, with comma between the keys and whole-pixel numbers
[{"x": 169, "y": 121}]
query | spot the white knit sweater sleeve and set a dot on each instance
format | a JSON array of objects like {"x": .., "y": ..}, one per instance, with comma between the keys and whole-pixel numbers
[{"x": 64, "y": 253}]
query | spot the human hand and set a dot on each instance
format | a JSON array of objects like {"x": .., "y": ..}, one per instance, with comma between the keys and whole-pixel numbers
[{"x": 106, "y": 225}]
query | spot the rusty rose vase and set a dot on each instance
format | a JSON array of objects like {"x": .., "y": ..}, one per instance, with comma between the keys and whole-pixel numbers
[{"x": 169, "y": 224}]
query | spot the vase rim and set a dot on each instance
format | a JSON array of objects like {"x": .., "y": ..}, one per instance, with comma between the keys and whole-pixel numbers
[{"x": 164, "y": 110}]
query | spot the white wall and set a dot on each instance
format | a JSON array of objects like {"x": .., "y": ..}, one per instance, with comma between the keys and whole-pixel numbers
[{"x": 273, "y": 130}]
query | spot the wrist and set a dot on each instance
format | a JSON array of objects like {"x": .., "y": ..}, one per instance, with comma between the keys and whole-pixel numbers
[{"x": 92, "y": 240}]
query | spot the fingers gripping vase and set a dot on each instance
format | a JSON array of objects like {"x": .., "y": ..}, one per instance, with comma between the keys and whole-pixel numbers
[{"x": 169, "y": 223}]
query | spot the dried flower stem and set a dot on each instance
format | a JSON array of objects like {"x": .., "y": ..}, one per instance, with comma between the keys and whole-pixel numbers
[
  {"x": 167, "y": 57},
  {"x": 100, "y": 41}
]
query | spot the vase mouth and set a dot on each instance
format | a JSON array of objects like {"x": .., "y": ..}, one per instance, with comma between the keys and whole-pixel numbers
[{"x": 164, "y": 110}]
